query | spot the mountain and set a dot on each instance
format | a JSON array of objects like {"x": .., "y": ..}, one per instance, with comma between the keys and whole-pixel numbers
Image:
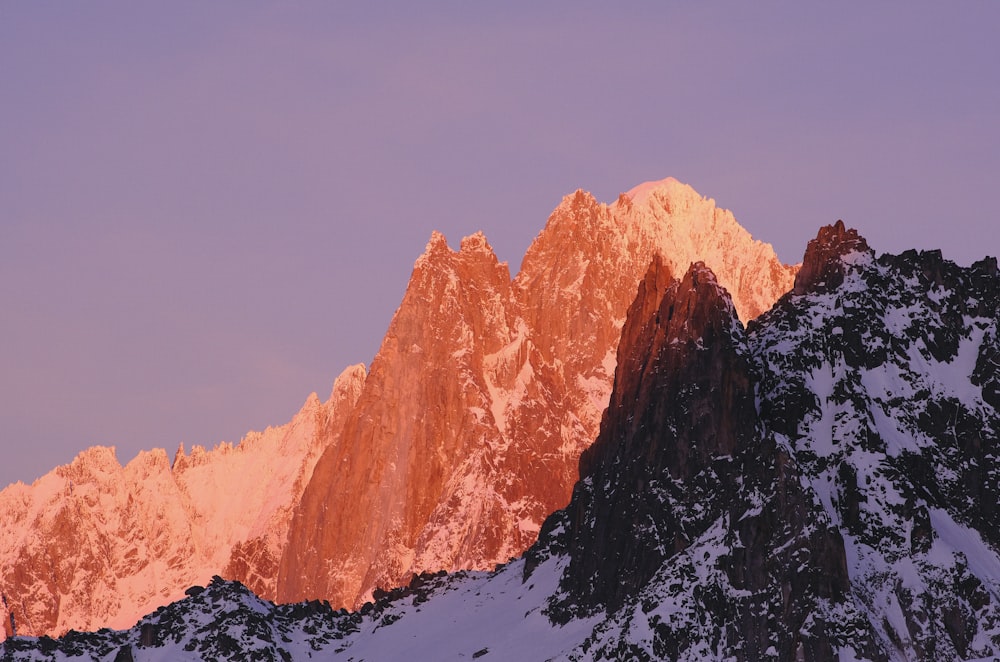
[
  {"x": 486, "y": 390},
  {"x": 822, "y": 485},
  {"x": 464, "y": 435}
]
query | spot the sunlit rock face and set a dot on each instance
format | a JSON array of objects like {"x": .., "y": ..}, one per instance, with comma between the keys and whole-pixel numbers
[
  {"x": 420, "y": 444},
  {"x": 253, "y": 559},
  {"x": 92, "y": 539},
  {"x": 94, "y": 544},
  {"x": 486, "y": 390}
]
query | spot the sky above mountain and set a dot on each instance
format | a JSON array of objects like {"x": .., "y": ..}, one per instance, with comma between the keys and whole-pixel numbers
[{"x": 207, "y": 210}]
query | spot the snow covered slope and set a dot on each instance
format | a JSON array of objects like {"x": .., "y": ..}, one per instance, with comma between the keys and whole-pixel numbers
[{"x": 883, "y": 377}]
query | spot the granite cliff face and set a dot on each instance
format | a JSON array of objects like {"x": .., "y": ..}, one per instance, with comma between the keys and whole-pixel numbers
[
  {"x": 418, "y": 443},
  {"x": 486, "y": 390}
]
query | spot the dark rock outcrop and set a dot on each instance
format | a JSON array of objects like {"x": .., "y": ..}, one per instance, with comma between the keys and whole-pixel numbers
[
  {"x": 881, "y": 375},
  {"x": 683, "y": 403},
  {"x": 683, "y": 472},
  {"x": 822, "y": 267}
]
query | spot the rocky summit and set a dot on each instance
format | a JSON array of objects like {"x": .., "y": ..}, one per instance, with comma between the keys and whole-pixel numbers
[{"x": 821, "y": 484}]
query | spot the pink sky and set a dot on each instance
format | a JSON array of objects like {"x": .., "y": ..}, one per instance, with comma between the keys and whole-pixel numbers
[{"x": 207, "y": 210}]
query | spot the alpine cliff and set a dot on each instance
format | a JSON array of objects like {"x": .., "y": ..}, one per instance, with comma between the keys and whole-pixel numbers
[
  {"x": 464, "y": 435},
  {"x": 485, "y": 391},
  {"x": 821, "y": 484}
]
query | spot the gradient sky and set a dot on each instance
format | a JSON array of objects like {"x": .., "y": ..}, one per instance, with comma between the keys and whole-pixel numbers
[{"x": 207, "y": 210}]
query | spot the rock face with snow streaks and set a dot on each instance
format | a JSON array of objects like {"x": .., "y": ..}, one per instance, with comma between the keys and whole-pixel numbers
[
  {"x": 881, "y": 386},
  {"x": 687, "y": 509},
  {"x": 95, "y": 544}
]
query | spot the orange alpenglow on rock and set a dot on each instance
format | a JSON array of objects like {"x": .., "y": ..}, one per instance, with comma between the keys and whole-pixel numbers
[
  {"x": 486, "y": 391},
  {"x": 465, "y": 434}
]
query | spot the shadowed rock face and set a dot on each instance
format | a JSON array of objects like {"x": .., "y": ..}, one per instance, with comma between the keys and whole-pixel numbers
[
  {"x": 683, "y": 403},
  {"x": 822, "y": 267},
  {"x": 880, "y": 376},
  {"x": 683, "y": 458}
]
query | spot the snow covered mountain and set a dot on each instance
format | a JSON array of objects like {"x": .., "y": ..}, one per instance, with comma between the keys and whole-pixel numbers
[
  {"x": 464, "y": 436},
  {"x": 821, "y": 485}
]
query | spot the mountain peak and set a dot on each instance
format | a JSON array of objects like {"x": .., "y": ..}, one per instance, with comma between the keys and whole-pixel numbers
[
  {"x": 94, "y": 461},
  {"x": 823, "y": 265},
  {"x": 668, "y": 187},
  {"x": 465, "y": 434},
  {"x": 650, "y": 185},
  {"x": 671, "y": 331},
  {"x": 437, "y": 246},
  {"x": 658, "y": 433},
  {"x": 348, "y": 384},
  {"x": 473, "y": 250},
  {"x": 822, "y": 486},
  {"x": 476, "y": 243}
]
